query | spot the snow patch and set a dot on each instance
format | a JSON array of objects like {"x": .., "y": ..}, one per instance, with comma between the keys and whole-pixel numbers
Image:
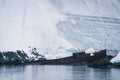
[
  {"x": 90, "y": 50},
  {"x": 3, "y": 56},
  {"x": 116, "y": 59},
  {"x": 57, "y": 53}
]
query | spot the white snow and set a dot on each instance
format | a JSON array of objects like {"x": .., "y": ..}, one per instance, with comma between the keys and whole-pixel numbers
[
  {"x": 18, "y": 55},
  {"x": 89, "y": 25},
  {"x": 116, "y": 59},
  {"x": 3, "y": 56},
  {"x": 46, "y": 25},
  {"x": 89, "y": 7},
  {"x": 87, "y": 31},
  {"x": 26, "y": 23},
  {"x": 90, "y": 51},
  {"x": 61, "y": 52}
]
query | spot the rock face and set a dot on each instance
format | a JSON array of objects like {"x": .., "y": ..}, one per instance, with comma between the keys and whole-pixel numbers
[
  {"x": 18, "y": 57},
  {"x": 10, "y": 57},
  {"x": 102, "y": 63}
]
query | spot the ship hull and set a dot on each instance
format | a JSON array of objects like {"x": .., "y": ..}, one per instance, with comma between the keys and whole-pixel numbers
[{"x": 77, "y": 58}]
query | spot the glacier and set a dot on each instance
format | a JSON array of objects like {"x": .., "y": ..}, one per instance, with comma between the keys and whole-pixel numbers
[
  {"x": 57, "y": 28},
  {"x": 90, "y": 31},
  {"x": 26, "y": 23},
  {"x": 90, "y": 23}
]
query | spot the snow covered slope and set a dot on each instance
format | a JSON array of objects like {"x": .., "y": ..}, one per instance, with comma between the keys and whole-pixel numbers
[
  {"x": 59, "y": 26},
  {"x": 91, "y": 31},
  {"x": 26, "y": 23},
  {"x": 90, "y": 23},
  {"x": 101, "y": 8}
]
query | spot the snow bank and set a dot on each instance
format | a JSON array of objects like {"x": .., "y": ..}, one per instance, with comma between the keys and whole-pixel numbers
[{"x": 116, "y": 59}]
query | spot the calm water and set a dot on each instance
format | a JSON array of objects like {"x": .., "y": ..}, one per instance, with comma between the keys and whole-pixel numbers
[{"x": 57, "y": 72}]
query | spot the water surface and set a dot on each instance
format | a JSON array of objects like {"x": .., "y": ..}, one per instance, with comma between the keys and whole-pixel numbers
[{"x": 57, "y": 72}]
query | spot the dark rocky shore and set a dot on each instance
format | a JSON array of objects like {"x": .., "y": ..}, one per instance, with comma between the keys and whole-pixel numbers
[
  {"x": 104, "y": 63},
  {"x": 11, "y": 57},
  {"x": 20, "y": 57}
]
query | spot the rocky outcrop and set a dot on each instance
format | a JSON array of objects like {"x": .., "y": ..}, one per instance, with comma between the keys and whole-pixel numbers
[
  {"x": 18, "y": 57},
  {"x": 102, "y": 63},
  {"x": 11, "y": 57}
]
